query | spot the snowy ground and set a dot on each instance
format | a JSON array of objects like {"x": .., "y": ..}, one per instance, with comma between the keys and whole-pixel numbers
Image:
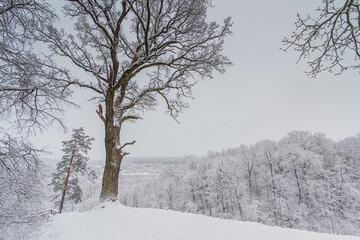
[{"x": 112, "y": 221}]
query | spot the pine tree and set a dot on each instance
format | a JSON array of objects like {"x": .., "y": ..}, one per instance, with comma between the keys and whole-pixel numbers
[{"x": 74, "y": 162}]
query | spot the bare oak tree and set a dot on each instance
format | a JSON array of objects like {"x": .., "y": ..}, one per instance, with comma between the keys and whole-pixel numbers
[
  {"x": 331, "y": 39},
  {"x": 136, "y": 52}
]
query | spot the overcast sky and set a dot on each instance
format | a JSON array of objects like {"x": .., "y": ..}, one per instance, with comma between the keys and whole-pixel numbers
[{"x": 264, "y": 95}]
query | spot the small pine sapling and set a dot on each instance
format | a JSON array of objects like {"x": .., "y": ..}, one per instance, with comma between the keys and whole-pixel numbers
[{"x": 74, "y": 162}]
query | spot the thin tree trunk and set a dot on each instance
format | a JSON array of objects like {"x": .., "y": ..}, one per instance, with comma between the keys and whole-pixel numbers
[
  {"x": 298, "y": 186},
  {"x": 249, "y": 183},
  {"x": 222, "y": 202},
  {"x": 65, "y": 184},
  {"x": 273, "y": 190},
  {"x": 114, "y": 157}
]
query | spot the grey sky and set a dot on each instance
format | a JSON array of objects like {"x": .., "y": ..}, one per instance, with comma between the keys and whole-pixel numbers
[{"x": 265, "y": 94}]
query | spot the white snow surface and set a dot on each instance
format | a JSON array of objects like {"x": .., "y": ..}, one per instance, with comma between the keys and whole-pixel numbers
[{"x": 112, "y": 221}]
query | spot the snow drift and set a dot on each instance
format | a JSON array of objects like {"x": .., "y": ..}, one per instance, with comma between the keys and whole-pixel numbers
[{"x": 112, "y": 221}]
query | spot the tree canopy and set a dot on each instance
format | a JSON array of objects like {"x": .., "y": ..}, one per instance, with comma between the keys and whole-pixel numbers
[
  {"x": 331, "y": 38},
  {"x": 135, "y": 53}
]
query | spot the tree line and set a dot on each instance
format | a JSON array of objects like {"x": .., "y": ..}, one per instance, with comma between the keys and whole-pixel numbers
[{"x": 304, "y": 181}]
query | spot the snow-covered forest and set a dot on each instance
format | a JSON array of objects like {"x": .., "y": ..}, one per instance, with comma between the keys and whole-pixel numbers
[{"x": 304, "y": 181}]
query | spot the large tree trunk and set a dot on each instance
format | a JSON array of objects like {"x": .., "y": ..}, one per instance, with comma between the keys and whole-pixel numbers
[{"x": 110, "y": 179}]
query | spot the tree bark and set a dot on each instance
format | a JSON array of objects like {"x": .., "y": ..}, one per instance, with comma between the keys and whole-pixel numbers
[
  {"x": 65, "y": 184},
  {"x": 110, "y": 181}
]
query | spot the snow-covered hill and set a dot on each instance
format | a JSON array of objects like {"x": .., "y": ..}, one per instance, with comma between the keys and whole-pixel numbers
[{"x": 112, "y": 221}]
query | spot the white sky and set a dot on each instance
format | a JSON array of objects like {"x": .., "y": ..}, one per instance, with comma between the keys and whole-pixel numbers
[{"x": 265, "y": 94}]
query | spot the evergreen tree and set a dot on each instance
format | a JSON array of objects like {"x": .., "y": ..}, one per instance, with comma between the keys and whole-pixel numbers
[{"x": 74, "y": 162}]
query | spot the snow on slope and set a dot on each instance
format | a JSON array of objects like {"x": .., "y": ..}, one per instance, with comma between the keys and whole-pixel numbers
[{"x": 112, "y": 221}]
